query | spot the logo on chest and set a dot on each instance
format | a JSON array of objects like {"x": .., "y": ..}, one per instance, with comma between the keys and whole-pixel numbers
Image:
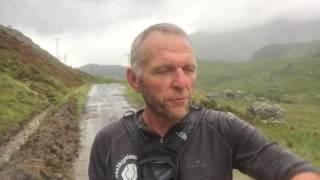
[{"x": 126, "y": 168}]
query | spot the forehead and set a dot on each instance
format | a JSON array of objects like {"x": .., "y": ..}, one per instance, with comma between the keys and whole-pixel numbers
[
  {"x": 166, "y": 45},
  {"x": 157, "y": 40}
]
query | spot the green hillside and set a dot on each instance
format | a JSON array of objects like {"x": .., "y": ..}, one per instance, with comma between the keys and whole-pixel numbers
[
  {"x": 294, "y": 84},
  {"x": 30, "y": 80},
  {"x": 286, "y": 76}
]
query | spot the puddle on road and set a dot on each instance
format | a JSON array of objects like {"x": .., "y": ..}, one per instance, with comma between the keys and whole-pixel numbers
[{"x": 105, "y": 103}]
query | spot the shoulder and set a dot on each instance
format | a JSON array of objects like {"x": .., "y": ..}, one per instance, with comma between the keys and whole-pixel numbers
[
  {"x": 227, "y": 125},
  {"x": 110, "y": 132},
  {"x": 221, "y": 120}
]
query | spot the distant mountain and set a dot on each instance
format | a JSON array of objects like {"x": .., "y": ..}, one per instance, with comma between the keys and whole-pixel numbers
[
  {"x": 240, "y": 44},
  {"x": 109, "y": 71},
  {"x": 290, "y": 50}
]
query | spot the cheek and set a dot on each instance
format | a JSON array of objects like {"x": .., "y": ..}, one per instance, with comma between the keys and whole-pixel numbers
[
  {"x": 157, "y": 85},
  {"x": 191, "y": 83},
  {"x": 162, "y": 86}
]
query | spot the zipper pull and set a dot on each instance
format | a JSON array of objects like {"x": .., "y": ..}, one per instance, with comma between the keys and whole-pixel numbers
[{"x": 161, "y": 140}]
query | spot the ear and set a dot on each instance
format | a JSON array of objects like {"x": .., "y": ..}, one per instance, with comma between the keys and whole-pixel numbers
[{"x": 133, "y": 79}]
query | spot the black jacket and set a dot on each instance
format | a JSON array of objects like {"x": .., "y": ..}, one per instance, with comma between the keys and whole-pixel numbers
[{"x": 220, "y": 143}]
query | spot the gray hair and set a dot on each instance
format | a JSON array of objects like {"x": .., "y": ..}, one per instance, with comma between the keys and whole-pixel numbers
[{"x": 137, "y": 55}]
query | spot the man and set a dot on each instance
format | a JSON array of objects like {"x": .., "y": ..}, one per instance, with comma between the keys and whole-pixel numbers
[{"x": 163, "y": 70}]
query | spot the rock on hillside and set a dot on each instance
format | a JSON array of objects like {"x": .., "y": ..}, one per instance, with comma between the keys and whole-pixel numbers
[{"x": 265, "y": 111}]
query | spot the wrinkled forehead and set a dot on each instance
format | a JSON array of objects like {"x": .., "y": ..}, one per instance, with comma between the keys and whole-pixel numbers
[{"x": 158, "y": 41}]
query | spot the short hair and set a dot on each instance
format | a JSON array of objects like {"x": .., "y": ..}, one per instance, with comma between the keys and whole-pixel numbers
[{"x": 137, "y": 56}]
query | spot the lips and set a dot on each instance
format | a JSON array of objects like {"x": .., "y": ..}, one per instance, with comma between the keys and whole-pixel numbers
[{"x": 178, "y": 100}]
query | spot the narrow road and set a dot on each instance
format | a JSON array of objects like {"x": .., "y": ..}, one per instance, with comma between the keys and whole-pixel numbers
[{"x": 105, "y": 103}]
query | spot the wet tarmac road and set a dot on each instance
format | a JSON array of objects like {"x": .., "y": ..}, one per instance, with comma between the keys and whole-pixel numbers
[{"x": 105, "y": 103}]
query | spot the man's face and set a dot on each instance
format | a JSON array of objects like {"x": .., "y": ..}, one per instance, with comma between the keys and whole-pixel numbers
[{"x": 169, "y": 73}]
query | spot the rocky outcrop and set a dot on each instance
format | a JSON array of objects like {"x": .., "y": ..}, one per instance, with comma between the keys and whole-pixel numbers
[
  {"x": 265, "y": 111},
  {"x": 232, "y": 93}
]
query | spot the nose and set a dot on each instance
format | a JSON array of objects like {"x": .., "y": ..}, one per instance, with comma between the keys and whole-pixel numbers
[{"x": 179, "y": 79}]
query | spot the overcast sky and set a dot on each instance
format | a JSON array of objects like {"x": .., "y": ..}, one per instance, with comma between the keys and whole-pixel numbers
[{"x": 101, "y": 31}]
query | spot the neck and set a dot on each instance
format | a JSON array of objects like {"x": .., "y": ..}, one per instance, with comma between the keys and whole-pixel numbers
[{"x": 158, "y": 122}]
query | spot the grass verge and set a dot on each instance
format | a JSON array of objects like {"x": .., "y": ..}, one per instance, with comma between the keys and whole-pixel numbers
[
  {"x": 300, "y": 132},
  {"x": 134, "y": 99},
  {"x": 50, "y": 151},
  {"x": 18, "y": 104}
]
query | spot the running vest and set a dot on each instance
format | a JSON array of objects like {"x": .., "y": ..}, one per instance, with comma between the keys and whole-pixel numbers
[{"x": 160, "y": 162}]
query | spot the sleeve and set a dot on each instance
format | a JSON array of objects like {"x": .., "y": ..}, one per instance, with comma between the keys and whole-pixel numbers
[
  {"x": 99, "y": 164},
  {"x": 254, "y": 155}
]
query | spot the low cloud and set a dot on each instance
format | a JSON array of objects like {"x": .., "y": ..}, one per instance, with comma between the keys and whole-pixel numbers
[{"x": 100, "y": 31}]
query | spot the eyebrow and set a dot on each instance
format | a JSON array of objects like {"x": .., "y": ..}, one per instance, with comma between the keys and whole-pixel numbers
[
  {"x": 171, "y": 67},
  {"x": 163, "y": 67}
]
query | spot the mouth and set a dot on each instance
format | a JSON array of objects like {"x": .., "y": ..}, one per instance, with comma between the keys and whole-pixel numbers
[{"x": 178, "y": 100}]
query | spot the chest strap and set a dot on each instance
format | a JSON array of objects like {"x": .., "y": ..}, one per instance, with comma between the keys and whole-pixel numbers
[{"x": 174, "y": 140}]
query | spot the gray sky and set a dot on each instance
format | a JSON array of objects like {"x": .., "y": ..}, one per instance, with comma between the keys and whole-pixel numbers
[{"x": 101, "y": 31}]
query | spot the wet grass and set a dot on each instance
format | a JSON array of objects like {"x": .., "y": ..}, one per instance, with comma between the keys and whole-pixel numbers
[
  {"x": 295, "y": 86},
  {"x": 18, "y": 103},
  {"x": 81, "y": 94},
  {"x": 300, "y": 131},
  {"x": 134, "y": 99}
]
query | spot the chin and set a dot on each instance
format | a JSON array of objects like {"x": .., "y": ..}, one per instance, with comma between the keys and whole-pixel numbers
[{"x": 178, "y": 113}]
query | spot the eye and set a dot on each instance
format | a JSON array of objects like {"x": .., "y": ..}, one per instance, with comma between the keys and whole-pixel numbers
[
  {"x": 189, "y": 69},
  {"x": 163, "y": 70}
]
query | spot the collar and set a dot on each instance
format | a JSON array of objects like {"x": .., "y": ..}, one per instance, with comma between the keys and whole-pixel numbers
[{"x": 148, "y": 133}]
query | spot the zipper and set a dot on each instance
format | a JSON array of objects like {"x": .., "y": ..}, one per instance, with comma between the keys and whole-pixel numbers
[{"x": 161, "y": 140}]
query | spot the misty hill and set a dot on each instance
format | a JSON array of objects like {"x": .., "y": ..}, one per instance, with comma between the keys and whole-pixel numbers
[
  {"x": 30, "y": 80},
  {"x": 292, "y": 50},
  {"x": 296, "y": 77},
  {"x": 108, "y": 71},
  {"x": 240, "y": 44}
]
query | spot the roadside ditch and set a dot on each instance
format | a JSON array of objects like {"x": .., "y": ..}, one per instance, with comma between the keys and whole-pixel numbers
[{"x": 49, "y": 152}]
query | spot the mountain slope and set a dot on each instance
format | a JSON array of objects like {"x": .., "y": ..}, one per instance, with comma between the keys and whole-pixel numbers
[
  {"x": 30, "y": 80},
  {"x": 292, "y": 50}
]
